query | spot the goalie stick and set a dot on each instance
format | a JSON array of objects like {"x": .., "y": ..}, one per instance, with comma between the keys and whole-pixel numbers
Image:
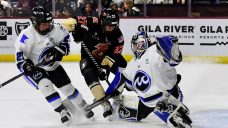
[
  {"x": 21, "y": 74},
  {"x": 93, "y": 59}
]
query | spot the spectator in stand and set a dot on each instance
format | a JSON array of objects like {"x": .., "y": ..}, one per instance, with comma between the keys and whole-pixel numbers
[
  {"x": 118, "y": 10},
  {"x": 46, "y": 3},
  {"x": 106, "y": 3},
  {"x": 4, "y": 5},
  {"x": 24, "y": 8},
  {"x": 63, "y": 8},
  {"x": 88, "y": 10},
  {"x": 130, "y": 10}
]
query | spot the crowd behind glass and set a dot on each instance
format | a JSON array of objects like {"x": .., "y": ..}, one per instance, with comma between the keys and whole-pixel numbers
[{"x": 69, "y": 8}]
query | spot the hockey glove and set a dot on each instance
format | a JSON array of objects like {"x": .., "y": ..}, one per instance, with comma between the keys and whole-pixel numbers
[
  {"x": 56, "y": 53},
  {"x": 104, "y": 73},
  {"x": 28, "y": 67},
  {"x": 108, "y": 61}
]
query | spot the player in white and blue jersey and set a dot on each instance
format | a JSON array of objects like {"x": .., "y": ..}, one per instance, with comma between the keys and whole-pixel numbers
[{"x": 39, "y": 43}]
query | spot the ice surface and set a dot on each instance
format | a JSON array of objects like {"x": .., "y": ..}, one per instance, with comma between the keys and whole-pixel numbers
[{"x": 204, "y": 86}]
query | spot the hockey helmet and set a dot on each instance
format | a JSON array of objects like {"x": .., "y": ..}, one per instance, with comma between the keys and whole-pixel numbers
[
  {"x": 139, "y": 43},
  {"x": 41, "y": 15},
  {"x": 109, "y": 17}
]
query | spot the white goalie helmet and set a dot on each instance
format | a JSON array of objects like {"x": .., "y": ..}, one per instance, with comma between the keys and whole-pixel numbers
[{"x": 139, "y": 43}]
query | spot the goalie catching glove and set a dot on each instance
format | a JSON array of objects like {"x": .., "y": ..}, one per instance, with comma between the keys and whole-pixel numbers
[{"x": 167, "y": 47}]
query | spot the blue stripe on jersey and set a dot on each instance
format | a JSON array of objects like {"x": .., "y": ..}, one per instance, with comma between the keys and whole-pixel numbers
[
  {"x": 19, "y": 56},
  {"x": 158, "y": 95},
  {"x": 23, "y": 38},
  {"x": 30, "y": 81},
  {"x": 151, "y": 98},
  {"x": 128, "y": 82},
  {"x": 66, "y": 38},
  {"x": 74, "y": 95},
  {"x": 53, "y": 99}
]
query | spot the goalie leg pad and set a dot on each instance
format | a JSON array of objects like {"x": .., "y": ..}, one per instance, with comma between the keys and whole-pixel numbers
[
  {"x": 132, "y": 109},
  {"x": 173, "y": 112},
  {"x": 128, "y": 110}
]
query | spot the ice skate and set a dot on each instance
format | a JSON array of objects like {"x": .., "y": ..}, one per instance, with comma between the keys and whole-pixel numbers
[
  {"x": 65, "y": 117},
  {"x": 107, "y": 109},
  {"x": 115, "y": 105},
  {"x": 88, "y": 114}
]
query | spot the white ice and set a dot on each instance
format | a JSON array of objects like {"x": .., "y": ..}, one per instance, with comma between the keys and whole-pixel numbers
[{"x": 204, "y": 86}]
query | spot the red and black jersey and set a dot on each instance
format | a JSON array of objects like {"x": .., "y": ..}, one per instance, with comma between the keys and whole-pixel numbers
[{"x": 89, "y": 30}]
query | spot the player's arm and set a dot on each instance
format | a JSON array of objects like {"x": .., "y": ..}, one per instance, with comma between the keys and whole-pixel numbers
[
  {"x": 114, "y": 58},
  {"x": 168, "y": 48},
  {"x": 62, "y": 48},
  {"x": 24, "y": 64}
]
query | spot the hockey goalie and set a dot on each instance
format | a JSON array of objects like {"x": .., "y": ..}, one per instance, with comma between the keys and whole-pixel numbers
[{"x": 152, "y": 75}]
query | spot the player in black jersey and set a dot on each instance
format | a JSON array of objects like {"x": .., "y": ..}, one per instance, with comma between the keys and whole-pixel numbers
[{"x": 104, "y": 41}]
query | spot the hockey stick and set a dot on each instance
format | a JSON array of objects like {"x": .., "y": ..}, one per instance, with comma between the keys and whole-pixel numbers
[
  {"x": 98, "y": 102},
  {"x": 93, "y": 59},
  {"x": 21, "y": 74},
  {"x": 117, "y": 91}
]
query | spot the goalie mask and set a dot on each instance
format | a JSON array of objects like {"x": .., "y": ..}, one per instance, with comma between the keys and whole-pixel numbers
[{"x": 139, "y": 44}]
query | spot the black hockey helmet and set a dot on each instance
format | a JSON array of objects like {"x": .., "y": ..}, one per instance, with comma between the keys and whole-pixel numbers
[
  {"x": 41, "y": 15},
  {"x": 109, "y": 17}
]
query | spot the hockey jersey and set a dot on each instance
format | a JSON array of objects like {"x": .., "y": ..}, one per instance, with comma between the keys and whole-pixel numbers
[
  {"x": 31, "y": 45},
  {"x": 90, "y": 31},
  {"x": 149, "y": 76}
]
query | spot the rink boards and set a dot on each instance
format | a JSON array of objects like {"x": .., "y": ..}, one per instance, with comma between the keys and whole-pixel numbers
[{"x": 199, "y": 39}]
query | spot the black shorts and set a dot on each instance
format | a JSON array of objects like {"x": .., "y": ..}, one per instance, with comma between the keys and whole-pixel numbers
[{"x": 58, "y": 77}]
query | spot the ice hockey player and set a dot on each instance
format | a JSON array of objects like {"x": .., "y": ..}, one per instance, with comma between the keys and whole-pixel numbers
[
  {"x": 39, "y": 43},
  {"x": 152, "y": 75},
  {"x": 105, "y": 42}
]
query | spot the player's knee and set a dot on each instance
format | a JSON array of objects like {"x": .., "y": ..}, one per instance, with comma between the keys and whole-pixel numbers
[
  {"x": 69, "y": 91},
  {"x": 46, "y": 87},
  {"x": 90, "y": 76}
]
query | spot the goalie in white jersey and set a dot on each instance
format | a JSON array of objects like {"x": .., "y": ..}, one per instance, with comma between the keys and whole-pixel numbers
[
  {"x": 152, "y": 75},
  {"x": 45, "y": 43}
]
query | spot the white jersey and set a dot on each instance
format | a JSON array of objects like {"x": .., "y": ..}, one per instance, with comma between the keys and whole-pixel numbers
[
  {"x": 150, "y": 75},
  {"x": 31, "y": 45}
]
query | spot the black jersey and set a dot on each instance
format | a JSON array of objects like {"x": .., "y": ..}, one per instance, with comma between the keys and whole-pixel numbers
[{"x": 89, "y": 30}]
